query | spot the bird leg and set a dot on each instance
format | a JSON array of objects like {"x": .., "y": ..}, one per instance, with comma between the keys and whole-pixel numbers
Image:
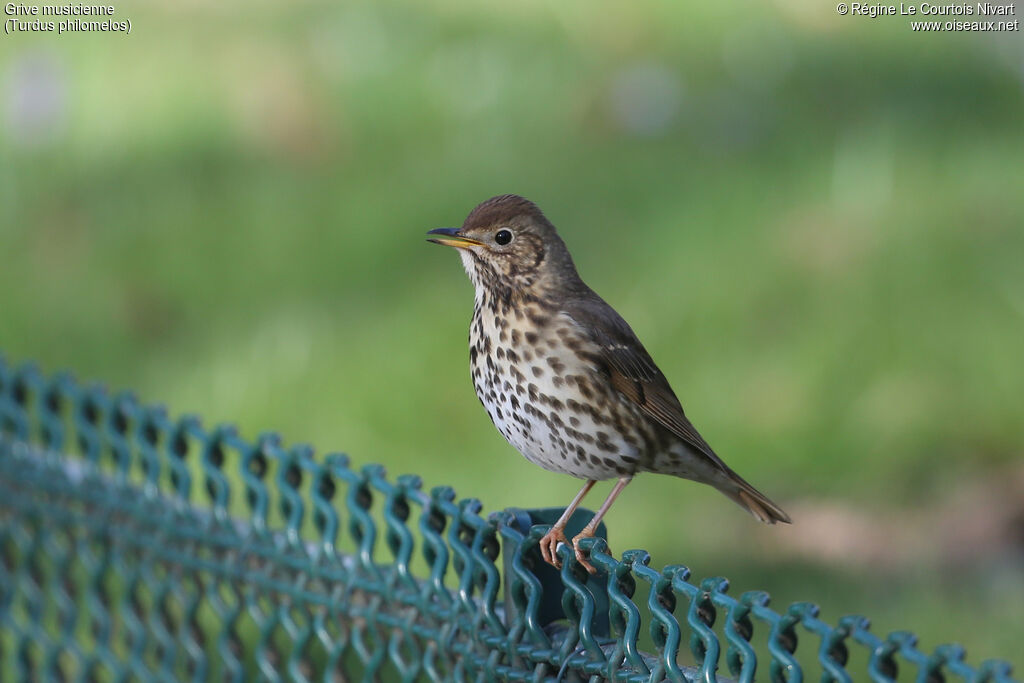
[
  {"x": 591, "y": 528},
  {"x": 549, "y": 543}
]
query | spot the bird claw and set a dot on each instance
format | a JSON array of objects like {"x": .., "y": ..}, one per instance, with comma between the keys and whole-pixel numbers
[
  {"x": 579, "y": 553},
  {"x": 549, "y": 548}
]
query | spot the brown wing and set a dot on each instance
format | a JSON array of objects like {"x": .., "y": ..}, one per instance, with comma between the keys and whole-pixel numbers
[{"x": 633, "y": 372}]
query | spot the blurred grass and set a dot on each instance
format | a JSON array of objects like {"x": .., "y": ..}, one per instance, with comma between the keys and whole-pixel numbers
[{"x": 813, "y": 222}]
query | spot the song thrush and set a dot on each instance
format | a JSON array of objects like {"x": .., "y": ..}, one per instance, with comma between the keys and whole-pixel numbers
[{"x": 562, "y": 375}]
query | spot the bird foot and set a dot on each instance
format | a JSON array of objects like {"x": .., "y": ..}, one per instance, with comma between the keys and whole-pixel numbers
[
  {"x": 549, "y": 546},
  {"x": 586, "y": 533},
  {"x": 552, "y": 539}
]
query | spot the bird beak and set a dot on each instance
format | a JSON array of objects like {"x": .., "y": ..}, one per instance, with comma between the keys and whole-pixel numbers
[{"x": 450, "y": 237}]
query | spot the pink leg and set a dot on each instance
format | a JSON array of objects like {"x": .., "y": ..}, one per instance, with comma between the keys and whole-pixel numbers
[
  {"x": 549, "y": 544},
  {"x": 591, "y": 528}
]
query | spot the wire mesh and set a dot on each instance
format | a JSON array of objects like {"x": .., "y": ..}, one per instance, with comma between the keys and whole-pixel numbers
[{"x": 136, "y": 547}]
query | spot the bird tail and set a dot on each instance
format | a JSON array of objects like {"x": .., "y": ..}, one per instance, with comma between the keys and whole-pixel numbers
[{"x": 753, "y": 501}]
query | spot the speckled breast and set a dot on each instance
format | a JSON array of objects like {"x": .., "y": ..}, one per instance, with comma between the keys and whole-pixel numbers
[{"x": 537, "y": 379}]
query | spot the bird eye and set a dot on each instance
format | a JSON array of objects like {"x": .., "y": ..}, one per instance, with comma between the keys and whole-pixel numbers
[{"x": 503, "y": 237}]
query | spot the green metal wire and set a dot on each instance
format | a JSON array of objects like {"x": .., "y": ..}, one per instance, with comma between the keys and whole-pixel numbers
[{"x": 134, "y": 547}]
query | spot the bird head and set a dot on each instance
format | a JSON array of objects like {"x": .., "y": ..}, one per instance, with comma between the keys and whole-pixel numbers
[{"x": 508, "y": 246}]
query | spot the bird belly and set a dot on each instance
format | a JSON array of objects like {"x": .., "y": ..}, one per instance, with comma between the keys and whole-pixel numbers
[{"x": 546, "y": 402}]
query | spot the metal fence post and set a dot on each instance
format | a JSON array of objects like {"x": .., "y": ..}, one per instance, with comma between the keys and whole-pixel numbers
[{"x": 550, "y": 578}]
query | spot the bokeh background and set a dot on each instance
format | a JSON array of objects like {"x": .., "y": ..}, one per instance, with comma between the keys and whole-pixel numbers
[{"x": 814, "y": 223}]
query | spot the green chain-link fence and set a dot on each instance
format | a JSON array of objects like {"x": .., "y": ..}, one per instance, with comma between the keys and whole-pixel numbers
[{"x": 137, "y": 547}]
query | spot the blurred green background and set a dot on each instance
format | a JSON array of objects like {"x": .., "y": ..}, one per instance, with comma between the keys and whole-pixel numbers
[{"x": 813, "y": 222}]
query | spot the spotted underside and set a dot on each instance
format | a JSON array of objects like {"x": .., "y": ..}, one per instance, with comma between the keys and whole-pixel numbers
[{"x": 541, "y": 381}]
